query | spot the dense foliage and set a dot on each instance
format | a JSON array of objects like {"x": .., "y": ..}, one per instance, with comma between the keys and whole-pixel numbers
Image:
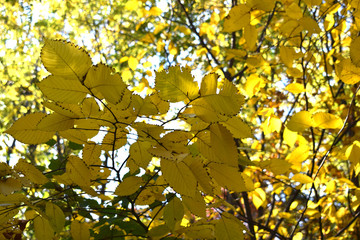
[{"x": 188, "y": 119}]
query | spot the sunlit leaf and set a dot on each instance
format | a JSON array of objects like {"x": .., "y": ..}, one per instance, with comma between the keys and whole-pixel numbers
[
  {"x": 65, "y": 59},
  {"x": 327, "y": 120},
  {"x": 31, "y": 172},
  {"x": 129, "y": 186},
  {"x": 302, "y": 178},
  {"x": 55, "y": 122},
  {"x": 173, "y": 213},
  {"x": 300, "y": 121},
  {"x": 176, "y": 84},
  {"x": 229, "y": 227},
  {"x": 25, "y": 129},
  {"x": 43, "y": 229},
  {"x": 239, "y": 17},
  {"x": 295, "y": 88},
  {"x": 78, "y": 172},
  {"x": 56, "y": 216}
]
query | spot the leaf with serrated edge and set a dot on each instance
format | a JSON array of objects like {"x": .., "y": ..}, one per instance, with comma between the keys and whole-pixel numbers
[
  {"x": 78, "y": 172},
  {"x": 25, "y": 129},
  {"x": 31, "y": 172},
  {"x": 55, "y": 122}
]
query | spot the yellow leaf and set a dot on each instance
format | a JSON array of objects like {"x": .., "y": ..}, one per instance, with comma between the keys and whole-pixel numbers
[
  {"x": 155, "y": 11},
  {"x": 290, "y": 137},
  {"x": 55, "y": 122},
  {"x": 158, "y": 231},
  {"x": 25, "y": 129},
  {"x": 139, "y": 154},
  {"x": 298, "y": 155},
  {"x": 60, "y": 89},
  {"x": 294, "y": 11},
  {"x": 237, "y": 127},
  {"x": 102, "y": 78},
  {"x": 132, "y": 5},
  {"x": 310, "y": 25},
  {"x": 113, "y": 141},
  {"x": 7, "y": 213},
  {"x": 79, "y": 230},
  {"x": 43, "y": 229},
  {"x": 56, "y": 216},
  {"x": 200, "y": 230},
  {"x": 253, "y": 85},
  {"x": 295, "y": 88},
  {"x": 250, "y": 34},
  {"x": 227, "y": 176},
  {"x": 302, "y": 178},
  {"x": 173, "y": 213},
  {"x": 275, "y": 165},
  {"x": 179, "y": 177},
  {"x": 90, "y": 108},
  {"x": 229, "y": 227},
  {"x": 209, "y": 84},
  {"x": 300, "y": 121},
  {"x": 177, "y": 84},
  {"x": 239, "y": 17},
  {"x": 258, "y": 197},
  {"x": 201, "y": 175},
  {"x": 265, "y": 5},
  {"x": 271, "y": 124},
  {"x": 74, "y": 135},
  {"x": 350, "y": 74},
  {"x": 31, "y": 172},
  {"x": 78, "y": 172},
  {"x": 355, "y": 51},
  {"x": 65, "y": 60},
  {"x": 133, "y": 63},
  {"x": 287, "y": 55},
  {"x": 68, "y": 110},
  {"x": 327, "y": 120},
  {"x": 91, "y": 154},
  {"x": 129, "y": 186}
]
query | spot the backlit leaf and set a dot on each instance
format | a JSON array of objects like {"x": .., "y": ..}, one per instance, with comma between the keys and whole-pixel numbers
[
  {"x": 237, "y": 127},
  {"x": 302, "y": 178},
  {"x": 227, "y": 176},
  {"x": 31, "y": 172},
  {"x": 176, "y": 84},
  {"x": 79, "y": 230},
  {"x": 43, "y": 229},
  {"x": 60, "y": 89},
  {"x": 229, "y": 227},
  {"x": 295, "y": 88},
  {"x": 55, "y": 122},
  {"x": 129, "y": 186},
  {"x": 179, "y": 177},
  {"x": 25, "y": 129},
  {"x": 56, "y": 216},
  {"x": 327, "y": 120},
  {"x": 355, "y": 51},
  {"x": 239, "y": 17},
  {"x": 78, "y": 172},
  {"x": 173, "y": 213},
  {"x": 300, "y": 121},
  {"x": 65, "y": 59}
]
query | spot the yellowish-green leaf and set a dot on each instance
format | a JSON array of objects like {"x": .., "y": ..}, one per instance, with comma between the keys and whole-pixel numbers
[
  {"x": 229, "y": 227},
  {"x": 9, "y": 185},
  {"x": 176, "y": 84},
  {"x": 201, "y": 175},
  {"x": 139, "y": 153},
  {"x": 102, "y": 79},
  {"x": 7, "y": 213},
  {"x": 55, "y": 122},
  {"x": 91, "y": 154},
  {"x": 43, "y": 229},
  {"x": 74, "y": 135},
  {"x": 300, "y": 121},
  {"x": 129, "y": 186},
  {"x": 60, "y": 89},
  {"x": 195, "y": 204},
  {"x": 199, "y": 230},
  {"x": 227, "y": 176},
  {"x": 65, "y": 59},
  {"x": 295, "y": 88},
  {"x": 31, "y": 172},
  {"x": 310, "y": 25},
  {"x": 158, "y": 231},
  {"x": 239, "y": 17},
  {"x": 355, "y": 51},
  {"x": 327, "y": 120},
  {"x": 12, "y": 199},
  {"x": 78, "y": 172},
  {"x": 173, "y": 213},
  {"x": 25, "y": 129},
  {"x": 237, "y": 127},
  {"x": 179, "y": 177},
  {"x": 68, "y": 110},
  {"x": 275, "y": 165},
  {"x": 56, "y": 216},
  {"x": 302, "y": 178},
  {"x": 114, "y": 140},
  {"x": 79, "y": 230},
  {"x": 265, "y": 5}
]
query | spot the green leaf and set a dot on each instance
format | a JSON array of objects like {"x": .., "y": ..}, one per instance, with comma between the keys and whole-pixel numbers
[
  {"x": 176, "y": 84},
  {"x": 65, "y": 60},
  {"x": 25, "y": 129}
]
